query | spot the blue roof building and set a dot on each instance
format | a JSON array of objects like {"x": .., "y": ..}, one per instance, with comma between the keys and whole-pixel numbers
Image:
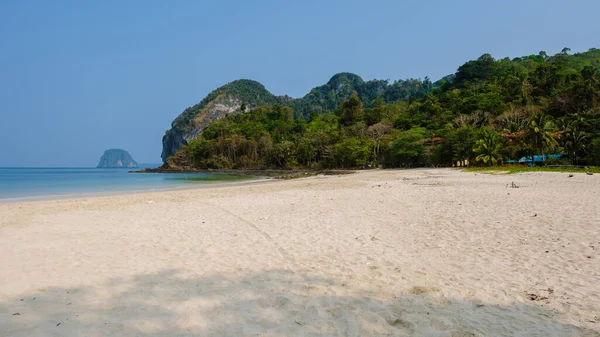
[{"x": 536, "y": 159}]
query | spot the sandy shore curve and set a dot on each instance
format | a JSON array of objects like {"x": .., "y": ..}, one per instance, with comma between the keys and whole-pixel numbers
[{"x": 424, "y": 252}]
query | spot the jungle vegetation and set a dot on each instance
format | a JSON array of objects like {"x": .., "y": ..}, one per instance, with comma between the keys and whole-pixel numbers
[{"x": 488, "y": 112}]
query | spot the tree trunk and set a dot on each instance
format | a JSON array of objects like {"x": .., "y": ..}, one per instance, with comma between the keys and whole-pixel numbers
[{"x": 543, "y": 159}]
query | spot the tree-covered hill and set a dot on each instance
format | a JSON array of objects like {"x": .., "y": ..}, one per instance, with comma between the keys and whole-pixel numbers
[
  {"x": 241, "y": 95},
  {"x": 251, "y": 92},
  {"x": 232, "y": 98},
  {"x": 340, "y": 87},
  {"x": 488, "y": 112}
]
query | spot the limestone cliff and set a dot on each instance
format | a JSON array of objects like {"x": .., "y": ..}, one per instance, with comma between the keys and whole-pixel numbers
[
  {"x": 116, "y": 158},
  {"x": 233, "y": 98}
]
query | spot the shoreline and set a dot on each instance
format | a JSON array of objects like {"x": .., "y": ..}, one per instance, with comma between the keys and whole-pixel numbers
[
  {"x": 263, "y": 176},
  {"x": 272, "y": 173},
  {"x": 182, "y": 187},
  {"x": 260, "y": 175}
]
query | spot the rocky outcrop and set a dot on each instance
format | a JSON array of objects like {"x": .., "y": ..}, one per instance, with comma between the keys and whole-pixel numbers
[
  {"x": 221, "y": 106},
  {"x": 173, "y": 141},
  {"x": 233, "y": 98},
  {"x": 116, "y": 158}
]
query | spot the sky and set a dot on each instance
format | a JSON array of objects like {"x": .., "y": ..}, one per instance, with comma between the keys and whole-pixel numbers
[{"x": 79, "y": 77}]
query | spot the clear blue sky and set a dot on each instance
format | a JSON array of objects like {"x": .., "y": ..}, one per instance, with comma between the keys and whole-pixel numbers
[{"x": 78, "y": 77}]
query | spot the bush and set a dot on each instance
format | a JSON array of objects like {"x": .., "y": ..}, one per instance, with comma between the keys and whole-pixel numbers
[
  {"x": 352, "y": 152},
  {"x": 408, "y": 149},
  {"x": 595, "y": 152},
  {"x": 218, "y": 162},
  {"x": 558, "y": 161}
]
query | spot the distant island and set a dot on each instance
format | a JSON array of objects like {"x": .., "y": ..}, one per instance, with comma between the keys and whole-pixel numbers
[{"x": 116, "y": 158}]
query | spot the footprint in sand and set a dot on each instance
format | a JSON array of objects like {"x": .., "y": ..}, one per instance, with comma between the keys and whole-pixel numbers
[
  {"x": 462, "y": 333},
  {"x": 419, "y": 290}
]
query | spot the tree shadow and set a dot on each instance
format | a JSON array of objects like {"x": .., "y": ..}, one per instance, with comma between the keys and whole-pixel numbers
[{"x": 267, "y": 303}]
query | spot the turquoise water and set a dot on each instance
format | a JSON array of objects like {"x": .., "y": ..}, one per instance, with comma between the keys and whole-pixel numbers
[{"x": 46, "y": 182}]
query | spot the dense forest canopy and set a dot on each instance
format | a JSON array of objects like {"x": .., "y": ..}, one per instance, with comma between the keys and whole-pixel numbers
[
  {"x": 323, "y": 99},
  {"x": 489, "y": 112},
  {"x": 340, "y": 87}
]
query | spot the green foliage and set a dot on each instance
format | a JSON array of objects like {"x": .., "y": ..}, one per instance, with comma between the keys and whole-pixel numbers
[
  {"x": 479, "y": 70},
  {"x": 540, "y": 134},
  {"x": 405, "y": 90},
  {"x": 351, "y": 110},
  {"x": 376, "y": 114},
  {"x": 327, "y": 98},
  {"x": 595, "y": 152},
  {"x": 460, "y": 143},
  {"x": 351, "y": 152},
  {"x": 407, "y": 150},
  {"x": 489, "y": 111},
  {"x": 487, "y": 148}
]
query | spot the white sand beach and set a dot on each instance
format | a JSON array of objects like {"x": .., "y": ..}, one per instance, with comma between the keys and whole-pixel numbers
[{"x": 425, "y": 252}]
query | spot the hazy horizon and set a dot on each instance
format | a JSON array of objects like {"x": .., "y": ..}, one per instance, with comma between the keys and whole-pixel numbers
[{"x": 83, "y": 77}]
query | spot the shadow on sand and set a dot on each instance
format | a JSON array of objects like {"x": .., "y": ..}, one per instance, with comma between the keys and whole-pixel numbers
[{"x": 268, "y": 303}]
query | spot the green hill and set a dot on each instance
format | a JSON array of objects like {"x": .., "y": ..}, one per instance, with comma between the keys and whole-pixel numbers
[
  {"x": 250, "y": 92},
  {"x": 340, "y": 87},
  {"x": 487, "y": 113},
  {"x": 228, "y": 99}
]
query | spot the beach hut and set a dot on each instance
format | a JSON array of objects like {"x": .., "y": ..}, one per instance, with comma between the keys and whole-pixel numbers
[{"x": 536, "y": 159}]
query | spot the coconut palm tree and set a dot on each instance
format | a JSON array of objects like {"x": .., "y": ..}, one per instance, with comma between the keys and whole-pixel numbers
[
  {"x": 487, "y": 148},
  {"x": 540, "y": 133},
  {"x": 574, "y": 140}
]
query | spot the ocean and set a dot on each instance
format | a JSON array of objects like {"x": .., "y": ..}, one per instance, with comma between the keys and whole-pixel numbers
[{"x": 17, "y": 183}]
